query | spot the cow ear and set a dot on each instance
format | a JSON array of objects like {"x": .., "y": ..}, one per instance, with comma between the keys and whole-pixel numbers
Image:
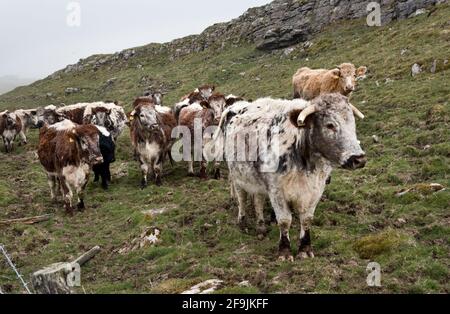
[
  {"x": 230, "y": 101},
  {"x": 336, "y": 73},
  {"x": 362, "y": 70},
  {"x": 204, "y": 104},
  {"x": 293, "y": 118}
]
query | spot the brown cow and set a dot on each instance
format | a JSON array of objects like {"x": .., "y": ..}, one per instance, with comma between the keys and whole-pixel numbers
[
  {"x": 208, "y": 113},
  {"x": 309, "y": 83},
  {"x": 10, "y": 127},
  {"x": 151, "y": 136},
  {"x": 68, "y": 151}
]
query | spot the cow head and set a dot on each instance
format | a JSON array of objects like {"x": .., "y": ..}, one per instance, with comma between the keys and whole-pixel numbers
[
  {"x": 206, "y": 91},
  {"x": 102, "y": 117},
  {"x": 87, "y": 136},
  {"x": 49, "y": 115},
  {"x": 217, "y": 103},
  {"x": 330, "y": 124},
  {"x": 32, "y": 117},
  {"x": 146, "y": 115},
  {"x": 347, "y": 74}
]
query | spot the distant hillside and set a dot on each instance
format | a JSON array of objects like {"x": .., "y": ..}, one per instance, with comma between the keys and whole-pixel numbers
[
  {"x": 9, "y": 82},
  {"x": 267, "y": 29}
]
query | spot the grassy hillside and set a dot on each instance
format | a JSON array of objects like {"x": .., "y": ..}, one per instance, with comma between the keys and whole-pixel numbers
[{"x": 359, "y": 220}]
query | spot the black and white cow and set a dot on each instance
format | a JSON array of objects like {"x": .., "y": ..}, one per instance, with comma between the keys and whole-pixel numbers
[
  {"x": 297, "y": 145},
  {"x": 108, "y": 149}
]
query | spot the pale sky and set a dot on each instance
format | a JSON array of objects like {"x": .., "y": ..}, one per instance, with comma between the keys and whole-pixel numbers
[{"x": 36, "y": 39}]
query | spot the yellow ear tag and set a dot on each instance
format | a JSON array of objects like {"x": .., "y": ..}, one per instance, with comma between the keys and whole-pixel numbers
[
  {"x": 131, "y": 118},
  {"x": 71, "y": 140}
]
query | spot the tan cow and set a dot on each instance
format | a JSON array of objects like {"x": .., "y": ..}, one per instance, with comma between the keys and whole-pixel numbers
[{"x": 309, "y": 83}]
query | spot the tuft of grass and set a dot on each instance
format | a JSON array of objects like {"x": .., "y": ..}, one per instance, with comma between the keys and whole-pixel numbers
[{"x": 373, "y": 245}]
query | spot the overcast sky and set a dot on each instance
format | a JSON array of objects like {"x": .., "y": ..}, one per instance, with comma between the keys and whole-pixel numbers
[{"x": 36, "y": 39}]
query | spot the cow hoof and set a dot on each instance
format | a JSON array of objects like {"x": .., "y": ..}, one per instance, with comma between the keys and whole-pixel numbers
[
  {"x": 191, "y": 174},
  {"x": 217, "y": 174},
  {"x": 158, "y": 181},
  {"x": 286, "y": 258},
  {"x": 80, "y": 206},
  {"x": 305, "y": 255},
  {"x": 328, "y": 180},
  {"x": 261, "y": 231},
  {"x": 242, "y": 223},
  {"x": 105, "y": 187},
  {"x": 143, "y": 184}
]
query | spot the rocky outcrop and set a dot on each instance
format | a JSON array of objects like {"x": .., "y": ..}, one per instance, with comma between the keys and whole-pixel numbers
[{"x": 280, "y": 24}]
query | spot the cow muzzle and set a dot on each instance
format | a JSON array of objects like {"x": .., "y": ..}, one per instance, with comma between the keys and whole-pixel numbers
[
  {"x": 96, "y": 160},
  {"x": 355, "y": 162}
]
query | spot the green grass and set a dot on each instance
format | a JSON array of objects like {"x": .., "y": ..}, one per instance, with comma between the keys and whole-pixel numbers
[{"x": 356, "y": 223}]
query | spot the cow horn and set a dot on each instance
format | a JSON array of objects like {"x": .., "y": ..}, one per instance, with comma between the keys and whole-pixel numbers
[
  {"x": 357, "y": 113},
  {"x": 304, "y": 114}
]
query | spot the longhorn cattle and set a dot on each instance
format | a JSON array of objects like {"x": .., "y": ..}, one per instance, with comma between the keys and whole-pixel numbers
[
  {"x": 67, "y": 151},
  {"x": 206, "y": 113},
  {"x": 29, "y": 119},
  {"x": 108, "y": 115},
  {"x": 203, "y": 93},
  {"x": 10, "y": 127},
  {"x": 309, "y": 83},
  {"x": 297, "y": 145},
  {"x": 150, "y": 130}
]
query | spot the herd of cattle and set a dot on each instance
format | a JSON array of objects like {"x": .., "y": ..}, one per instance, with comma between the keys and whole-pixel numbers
[{"x": 316, "y": 132}]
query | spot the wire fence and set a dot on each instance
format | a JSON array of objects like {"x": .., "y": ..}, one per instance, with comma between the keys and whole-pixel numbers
[{"x": 11, "y": 264}]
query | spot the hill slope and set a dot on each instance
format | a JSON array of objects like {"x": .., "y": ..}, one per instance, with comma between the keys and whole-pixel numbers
[{"x": 359, "y": 220}]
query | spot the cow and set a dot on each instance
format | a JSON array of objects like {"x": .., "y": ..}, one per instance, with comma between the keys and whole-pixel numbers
[
  {"x": 29, "y": 119},
  {"x": 107, "y": 148},
  {"x": 156, "y": 97},
  {"x": 151, "y": 136},
  {"x": 49, "y": 115},
  {"x": 10, "y": 127},
  {"x": 208, "y": 112},
  {"x": 106, "y": 114},
  {"x": 203, "y": 93},
  {"x": 309, "y": 83},
  {"x": 67, "y": 151},
  {"x": 299, "y": 143}
]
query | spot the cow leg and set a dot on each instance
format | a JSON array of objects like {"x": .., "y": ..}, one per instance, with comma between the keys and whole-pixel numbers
[
  {"x": 23, "y": 138},
  {"x": 190, "y": 168},
  {"x": 96, "y": 173},
  {"x": 284, "y": 218},
  {"x": 52, "y": 182},
  {"x": 242, "y": 203},
  {"x": 217, "y": 170},
  {"x": 259, "y": 201},
  {"x": 67, "y": 195},
  {"x": 157, "y": 170},
  {"x": 106, "y": 176},
  {"x": 80, "y": 193},
  {"x": 144, "y": 169},
  {"x": 203, "y": 175},
  {"x": 305, "y": 248}
]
